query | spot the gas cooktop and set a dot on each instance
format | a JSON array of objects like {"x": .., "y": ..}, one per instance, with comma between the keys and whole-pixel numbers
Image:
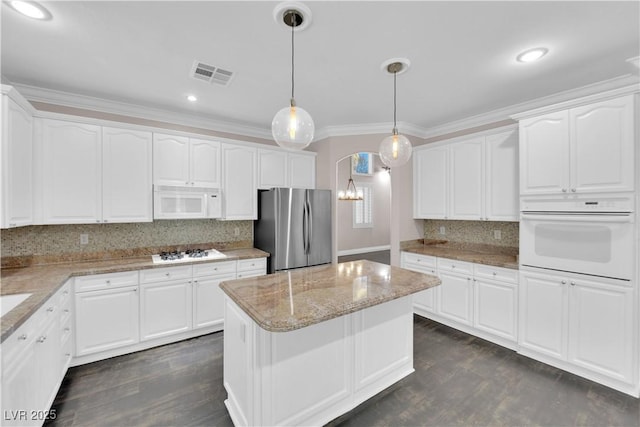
[{"x": 189, "y": 255}]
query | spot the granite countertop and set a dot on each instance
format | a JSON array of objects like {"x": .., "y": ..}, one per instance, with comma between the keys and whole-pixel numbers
[
  {"x": 497, "y": 256},
  {"x": 298, "y": 298},
  {"x": 42, "y": 281}
]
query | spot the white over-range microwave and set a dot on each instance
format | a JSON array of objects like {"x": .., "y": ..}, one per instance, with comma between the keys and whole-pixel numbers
[
  {"x": 581, "y": 235},
  {"x": 174, "y": 202}
]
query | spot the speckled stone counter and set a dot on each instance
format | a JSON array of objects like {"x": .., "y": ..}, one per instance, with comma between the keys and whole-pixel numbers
[
  {"x": 298, "y": 298},
  {"x": 43, "y": 281},
  {"x": 497, "y": 256}
]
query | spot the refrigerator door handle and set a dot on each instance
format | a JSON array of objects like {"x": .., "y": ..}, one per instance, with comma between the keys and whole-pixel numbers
[
  {"x": 310, "y": 226},
  {"x": 305, "y": 228}
]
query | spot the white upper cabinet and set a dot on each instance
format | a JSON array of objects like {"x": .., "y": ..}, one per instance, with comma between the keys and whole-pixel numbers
[
  {"x": 501, "y": 176},
  {"x": 587, "y": 149},
  {"x": 239, "y": 183},
  {"x": 183, "y": 161},
  {"x": 204, "y": 163},
  {"x": 602, "y": 145},
  {"x": 72, "y": 170},
  {"x": 430, "y": 183},
  {"x": 469, "y": 179},
  {"x": 17, "y": 165},
  {"x": 466, "y": 180},
  {"x": 272, "y": 169},
  {"x": 126, "y": 178},
  {"x": 283, "y": 169},
  {"x": 92, "y": 174},
  {"x": 302, "y": 170}
]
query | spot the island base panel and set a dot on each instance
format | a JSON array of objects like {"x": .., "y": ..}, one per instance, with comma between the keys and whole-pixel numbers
[{"x": 310, "y": 376}]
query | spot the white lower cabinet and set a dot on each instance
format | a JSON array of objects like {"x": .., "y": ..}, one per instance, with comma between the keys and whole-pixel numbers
[
  {"x": 32, "y": 365},
  {"x": 208, "y": 298},
  {"x": 475, "y": 298},
  {"x": 165, "y": 309},
  {"x": 581, "y": 323},
  {"x": 456, "y": 291},
  {"x": 106, "y": 319}
]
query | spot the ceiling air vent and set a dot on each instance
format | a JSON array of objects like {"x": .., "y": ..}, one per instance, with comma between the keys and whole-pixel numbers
[{"x": 211, "y": 74}]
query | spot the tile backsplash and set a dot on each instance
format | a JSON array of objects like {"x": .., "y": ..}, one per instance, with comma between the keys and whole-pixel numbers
[
  {"x": 473, "y": 231},
  {"x": 50, "y": 240}
]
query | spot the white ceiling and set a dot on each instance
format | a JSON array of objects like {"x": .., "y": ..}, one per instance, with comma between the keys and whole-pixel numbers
[{"x": 462, "y": 56}]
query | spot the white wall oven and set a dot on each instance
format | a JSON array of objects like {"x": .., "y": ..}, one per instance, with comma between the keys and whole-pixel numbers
[{"x": 585, "y": 236}]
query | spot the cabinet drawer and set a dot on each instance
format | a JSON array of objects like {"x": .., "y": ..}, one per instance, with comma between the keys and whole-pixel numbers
[
  {"x": 252, "y": 264},
  {"x": 250, "y": 273},
  {"x": 420, "y": 268},
  {"x": 106, "y": 281},
  {"x": 19, "y": 341},
  {"x": 423, "y": 260},
  {"x": 455, "y": 266},
  {"x": 495, "y": 273},
  {"x": 214, "y": 268},
  {"x": 64, "y": 294},
  {"x": 166, "y": 273}
]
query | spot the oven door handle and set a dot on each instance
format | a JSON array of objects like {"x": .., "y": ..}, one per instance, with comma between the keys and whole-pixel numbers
[{"x": 607, "y": 218}]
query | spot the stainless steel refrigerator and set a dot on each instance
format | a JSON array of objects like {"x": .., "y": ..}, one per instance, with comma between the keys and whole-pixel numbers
[{"x": 294, "y": 226}]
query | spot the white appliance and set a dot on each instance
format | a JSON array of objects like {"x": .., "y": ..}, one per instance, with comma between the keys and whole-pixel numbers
[
  {"x": 586, "y": 236},
  {"x": 187, "y": 256},
  {"x": 173, "y": 202}
]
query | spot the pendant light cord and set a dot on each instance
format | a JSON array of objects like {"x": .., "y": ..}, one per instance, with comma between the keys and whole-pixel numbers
[
  {"x": 395, "y": 128},
  {"x": 293, "y": 25}
]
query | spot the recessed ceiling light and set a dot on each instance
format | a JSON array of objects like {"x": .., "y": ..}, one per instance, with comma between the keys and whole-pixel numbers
[
  {"x": 30, "y": 9},
  {"x": 532, "y": 54},
  {"x": 192, "y": 98}
]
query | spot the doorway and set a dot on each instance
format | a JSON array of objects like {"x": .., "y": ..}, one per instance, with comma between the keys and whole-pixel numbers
[{"x": 363, "y": 227}]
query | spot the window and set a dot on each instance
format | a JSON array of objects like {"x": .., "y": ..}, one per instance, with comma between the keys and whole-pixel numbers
[{"x": 363, "y": 209}]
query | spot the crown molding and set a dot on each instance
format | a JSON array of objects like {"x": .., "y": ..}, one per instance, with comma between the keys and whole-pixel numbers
[
  {"x": 49, "y": 96},
  {"x": 621, "y": 83},
  {"x": 617, "y": 86}
]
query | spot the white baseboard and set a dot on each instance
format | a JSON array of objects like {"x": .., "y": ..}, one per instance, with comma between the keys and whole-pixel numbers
[{"x": 364, "y": 250}]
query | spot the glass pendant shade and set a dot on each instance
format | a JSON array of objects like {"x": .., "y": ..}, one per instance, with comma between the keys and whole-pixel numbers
[
  {"x": 292, "y": 128},
  {"x": 395, "y": 150}
]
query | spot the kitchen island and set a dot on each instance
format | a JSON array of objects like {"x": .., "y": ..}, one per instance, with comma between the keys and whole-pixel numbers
[{"x": 305, "y": 346}]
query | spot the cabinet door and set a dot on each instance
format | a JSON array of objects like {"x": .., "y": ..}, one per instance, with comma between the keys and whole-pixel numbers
[
  {"x": 204, "y": 163},
  {"x": 501, "y": 177},
  {"x": 17, "y": 166},
  {"x": 430, "y": 169},
  {"x": 424, "y": 300},
  {"x": 466, "y": 180},
  {"x": 544, "y": 154},
  {"x": 272, "y": 169},
  {"x": 302, "y": 171},
  {"x": 456, "y": 297},
  {"x": 106, "y": 319},
  {"x": 48, "y": 363},
  {"x": 170, "y": 160},
  {"x": 602, "y": 146},
  {"x": 127, "y": 188},
  {"x": 20, "y": 387},
  {"x": 601, "y": 328},
  {"x": 165, "y": 309},
  {"x": 72, "y": 172},
  {"x": 543, "y": 314},
  {"x": 495, "y": 307},
  {"x": 239, "y": 182},
  {"x": 208, "y": 301}
]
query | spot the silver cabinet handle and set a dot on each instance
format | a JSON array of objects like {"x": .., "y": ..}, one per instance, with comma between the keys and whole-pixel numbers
[
  {"x": 573, "y": 283},
  {"x": 67, "y": 354},
  {"x": 22, "y": 337},
  {"x": 67, "y": 329},
  {"x": 564, "y": 190},
  {"x": 50, "y": 310},
  {"x": 108, "y": 282},
  {"x": 42, "y": 339},
  {"x": 564, "y": 282},
  {"x": 66, "y": 310},
  {"x": 168, "y": 274},
  {"x": 573, "y": 190},
  {"x": 97, "y": 220},
  {"x": 453, "y": 266},
  {"x": 494, "y": 273},
  {"x": 65, "y": 293}
]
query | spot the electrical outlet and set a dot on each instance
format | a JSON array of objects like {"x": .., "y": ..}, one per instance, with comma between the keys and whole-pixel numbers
[
  {"x": 84, "y": 239},
  {"x": 236, "y": 231},
  {"x": 443, "y": 231},
  {"x": 497, "y": 234}
]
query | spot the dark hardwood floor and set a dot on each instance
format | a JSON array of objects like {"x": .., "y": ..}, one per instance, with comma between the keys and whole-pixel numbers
[
  {"x": 460, "y": 380},
  {"x": 383, "y": 257}
]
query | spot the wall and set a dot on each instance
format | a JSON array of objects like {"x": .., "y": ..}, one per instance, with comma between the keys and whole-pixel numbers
[
  {"x": 473, "y": 232},
  {"x": 356, "y": 238},
  {"x": 50, "y": 240},
  {"x": 402, "y": 225}
]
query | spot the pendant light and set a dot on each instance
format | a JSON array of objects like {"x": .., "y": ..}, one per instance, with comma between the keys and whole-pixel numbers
[
  {"x": 351, "y": 193},
  {"x": 292, "y": 127},
  {"x": 395, "y": 150}
]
